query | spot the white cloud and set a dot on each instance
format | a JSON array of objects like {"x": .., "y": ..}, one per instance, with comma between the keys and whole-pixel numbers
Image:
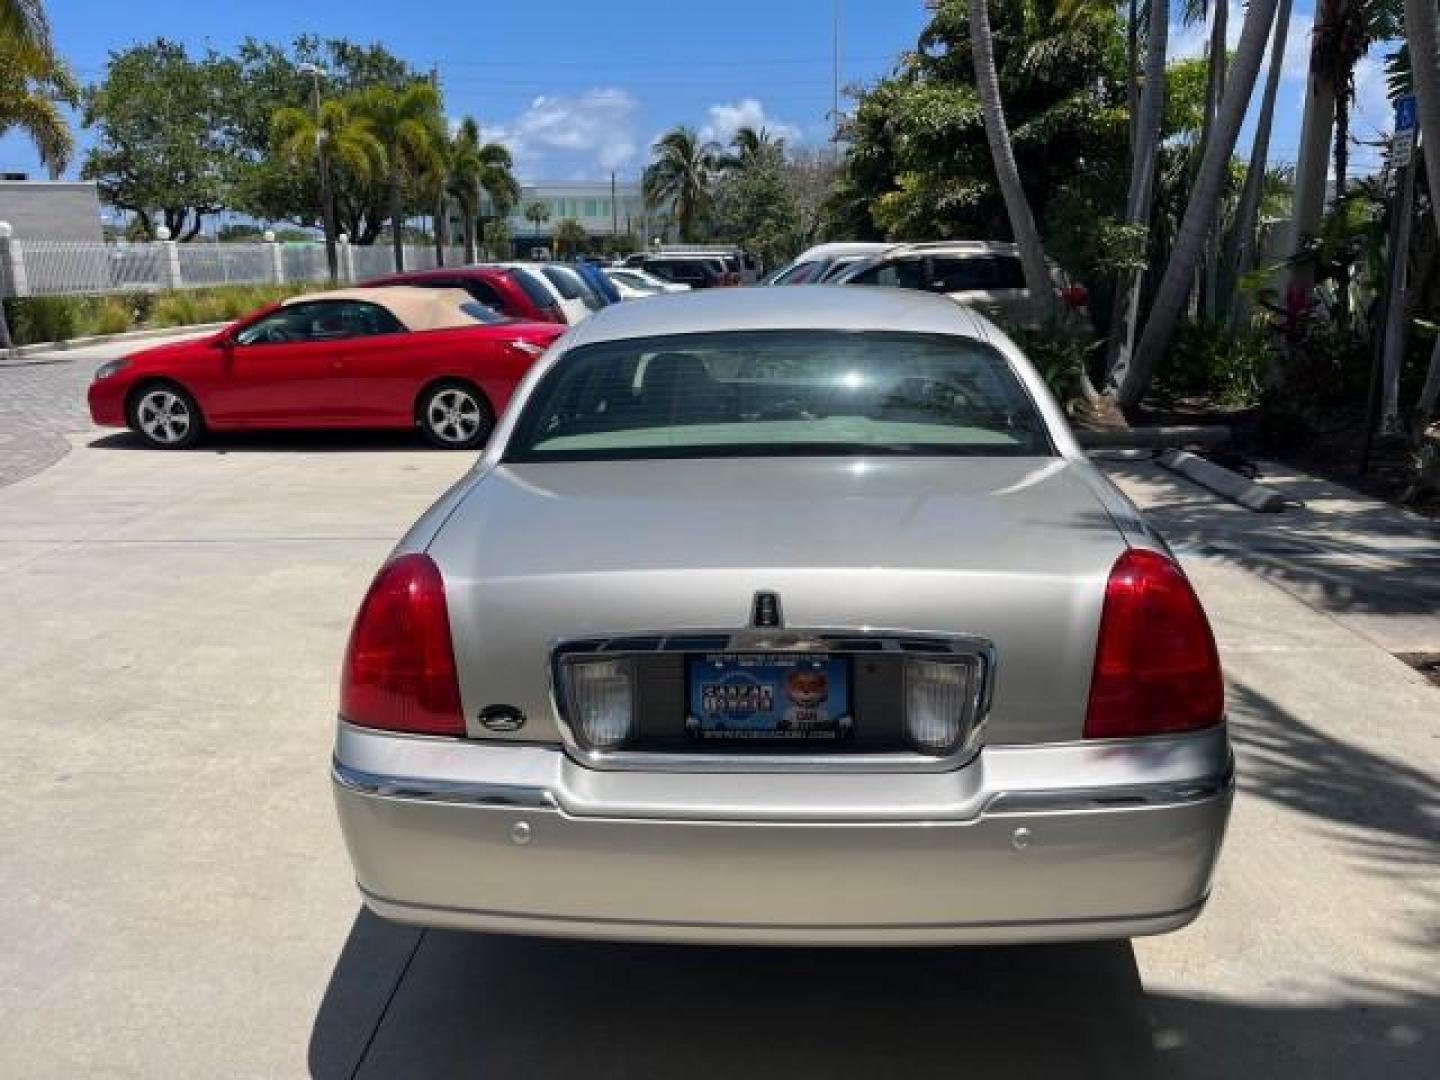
[
  {"x": 589, "y": 133},
  {"x": 724, "y": 120}
]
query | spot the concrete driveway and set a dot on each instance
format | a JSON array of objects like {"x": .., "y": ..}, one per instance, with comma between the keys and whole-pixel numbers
[{"x": 175, "y": 899}]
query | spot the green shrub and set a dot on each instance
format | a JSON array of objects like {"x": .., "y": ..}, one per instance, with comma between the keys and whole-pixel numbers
[
  {"x": 110, "y": 315},
  {"x": 43, "y": 318},
  {"x": 1060, "y": 357},
  {"x": 175, "y": 309},
  {"x": 1207, "y": 361}
]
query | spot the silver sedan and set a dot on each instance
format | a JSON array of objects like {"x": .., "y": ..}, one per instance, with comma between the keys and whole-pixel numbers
[{"x": 786, "y": 616}]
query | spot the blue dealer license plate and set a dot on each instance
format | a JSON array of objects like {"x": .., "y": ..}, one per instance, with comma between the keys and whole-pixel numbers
[{"x": 768, "y": 697}]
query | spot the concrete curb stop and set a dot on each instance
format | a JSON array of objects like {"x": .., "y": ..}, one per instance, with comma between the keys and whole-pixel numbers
[
  {"x": 1223, "y": 482},
  {"x": 20, "y": 353}
]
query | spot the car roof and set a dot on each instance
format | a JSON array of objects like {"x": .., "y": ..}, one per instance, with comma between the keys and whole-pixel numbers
[
  {"x": 822, "y": 307},
  {"x": 846, "y": 247},
  {"x": 960, "y": 247},
  {"x": 417, "y": 309}
]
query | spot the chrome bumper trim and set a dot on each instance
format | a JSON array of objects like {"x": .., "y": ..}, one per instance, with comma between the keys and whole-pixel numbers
[
  {"x": 480, "y": 794},
  {"x": 518, "y": 796}
]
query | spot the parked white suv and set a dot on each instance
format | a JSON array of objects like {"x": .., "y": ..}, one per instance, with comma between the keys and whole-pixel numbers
[{"x": 986, "y": 276}]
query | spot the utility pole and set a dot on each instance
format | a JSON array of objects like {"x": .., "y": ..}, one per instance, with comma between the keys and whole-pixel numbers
[
  {"x": 322, "y": 157},
  {"x": 614, "y": 213}
]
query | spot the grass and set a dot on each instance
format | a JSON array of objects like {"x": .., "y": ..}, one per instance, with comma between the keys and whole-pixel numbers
[{"x": 34, "y": 319}]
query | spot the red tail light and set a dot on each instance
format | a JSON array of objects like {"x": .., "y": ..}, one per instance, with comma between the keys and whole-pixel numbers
[
  {"x": 1156, "y": 668},
  {"x": 1076, "y": 296},
  {"x": 400, "y": 667}
]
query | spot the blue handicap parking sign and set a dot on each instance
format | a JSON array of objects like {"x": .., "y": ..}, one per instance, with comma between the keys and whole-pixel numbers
[{"x": 1405, "y": 113}]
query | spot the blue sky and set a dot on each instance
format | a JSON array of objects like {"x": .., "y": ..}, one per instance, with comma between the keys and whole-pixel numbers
[{"x": 580, "y": 88}]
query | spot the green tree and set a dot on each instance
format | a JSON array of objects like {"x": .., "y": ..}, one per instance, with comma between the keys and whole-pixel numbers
[
  {"x": 496, "y": 236},
  {"x": 407, "y": 122},
  {"x": 751, "y": 146},
  {"x": 537, "y": 213},
  {"x": 570, "y": 236},
  {"x": 754, "y": 206},
  {"x": 679, "y": 176},
  {"x": 269, "y": 76},
  {"x": 33, "y": 86},
  {"x": 335, "y": 140},
  {"x": 160, "y": 149},
  {"x": 25, "y": 30},
  {"x": 1200, "y": 214},
  {"x": 477, "y": 166}
]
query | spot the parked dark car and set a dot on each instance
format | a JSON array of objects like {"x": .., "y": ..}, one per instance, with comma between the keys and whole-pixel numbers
[
  {"x": 697, "y": 272},
  {"x": 512, "y": 291}
]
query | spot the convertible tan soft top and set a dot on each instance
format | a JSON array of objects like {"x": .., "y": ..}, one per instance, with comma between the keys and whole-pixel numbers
[{"x": 416, "y": 308}]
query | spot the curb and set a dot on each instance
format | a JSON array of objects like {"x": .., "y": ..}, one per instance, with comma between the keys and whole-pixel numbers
[
  {"x": 20, "y": 353},
  {"x": 1223, "y": 482}
]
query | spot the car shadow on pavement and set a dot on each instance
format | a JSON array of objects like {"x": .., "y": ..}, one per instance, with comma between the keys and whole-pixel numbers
[
  {"x": 405, "y": 1002},
  {"x": 487, "y": 1005},
  {"x": 281, "y": 442}
]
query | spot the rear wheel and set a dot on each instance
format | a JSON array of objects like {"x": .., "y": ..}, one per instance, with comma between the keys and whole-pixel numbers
[
  {"x": 166, "y": 417},
  {"x": 455, "y": 416}
]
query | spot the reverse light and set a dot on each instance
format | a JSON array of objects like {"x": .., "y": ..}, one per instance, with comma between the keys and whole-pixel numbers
[
  {"x": 936, "y": 702},
  {"x": 601, "y": 697},
  {"x": 1156, "y": 668},
  {"x": 399, "y": 671}
]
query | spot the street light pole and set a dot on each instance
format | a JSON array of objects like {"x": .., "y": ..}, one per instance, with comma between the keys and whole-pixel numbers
[{"x": 327, "y": 202}]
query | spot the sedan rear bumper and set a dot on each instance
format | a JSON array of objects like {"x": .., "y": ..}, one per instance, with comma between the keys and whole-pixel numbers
[{"x": 521, "y": 840}]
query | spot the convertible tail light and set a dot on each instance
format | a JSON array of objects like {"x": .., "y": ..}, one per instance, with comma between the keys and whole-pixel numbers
[
  {"x": 400, "y": 666},
  {"x": 601, "y": 698},
  {"x": 1075, "y": 296},
  {"x": 1156, "y": 668},
  {"x": 936, "y": 698}
]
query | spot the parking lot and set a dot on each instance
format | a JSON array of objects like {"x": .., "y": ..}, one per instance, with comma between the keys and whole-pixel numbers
[{"x": 175, "y": 899}]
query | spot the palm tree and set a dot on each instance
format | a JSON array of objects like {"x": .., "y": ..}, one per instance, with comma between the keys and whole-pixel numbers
[
  {"x": 26, "y": 29},
  {"x": 1140, "y": 200},
  {"x": 1002, "y": 154},
  {"x": 679, "y": 177},
  {"x": 497, "y": 178},
  {"x": 407, "y": 123},
  {"x": 336, "y": 137},
  {"x": 537, "y": 213},
  {"x": 1422, "y": 31},
  {"x": 569, "y": 233},
  {"x": 1242, "y": 236},
  {"x": 463, "y": 182},
  {"x": 33, "y": 85},
  {"x": 1203, "y": 206},
  {"x": 752, "y": 146}
]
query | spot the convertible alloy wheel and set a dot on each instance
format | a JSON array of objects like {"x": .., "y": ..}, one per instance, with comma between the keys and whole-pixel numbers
[
  {"x": 455, "y": 417},
  {"x": 168, "y": 418}
]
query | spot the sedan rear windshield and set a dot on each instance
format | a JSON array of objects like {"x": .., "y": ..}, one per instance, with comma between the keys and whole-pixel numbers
[
  {"x": 767, "y": 393},
  {"x": 539, "y": 295}
]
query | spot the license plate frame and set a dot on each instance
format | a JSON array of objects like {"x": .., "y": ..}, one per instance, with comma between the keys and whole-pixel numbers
[{"x": 796, "y": 699}]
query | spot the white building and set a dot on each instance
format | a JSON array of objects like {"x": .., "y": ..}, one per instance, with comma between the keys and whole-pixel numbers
[{"x": 602, "y": 209}]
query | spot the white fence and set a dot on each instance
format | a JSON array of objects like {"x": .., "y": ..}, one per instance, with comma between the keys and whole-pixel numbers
[{"x": 57, "y": 267}]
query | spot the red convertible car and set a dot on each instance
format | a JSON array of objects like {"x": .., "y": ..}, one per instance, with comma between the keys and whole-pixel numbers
[{"x": 354, "y": 358}]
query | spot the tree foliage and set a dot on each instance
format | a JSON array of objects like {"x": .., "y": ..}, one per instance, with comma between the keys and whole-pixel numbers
[{"x": 162, "y": 121}]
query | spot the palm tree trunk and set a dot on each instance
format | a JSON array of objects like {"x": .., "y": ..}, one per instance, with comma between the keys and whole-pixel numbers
[
  {"x": 1204, "y": 202},
  {"x": 1342, "y": 167},
  {"x": 1126, "y": 313},
  {"x": 467, "y": 219},
  {"x": 397, "y": 246},
  {"x": 1214, "y": 89},
  {"x": 1422, "y": 31},
  {"x": 1132, "y": 71},
  {"x": 1316, "y": 128},
  {"x": 1242, "y": 236},
  {"x": 1002, "y": 153}
]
